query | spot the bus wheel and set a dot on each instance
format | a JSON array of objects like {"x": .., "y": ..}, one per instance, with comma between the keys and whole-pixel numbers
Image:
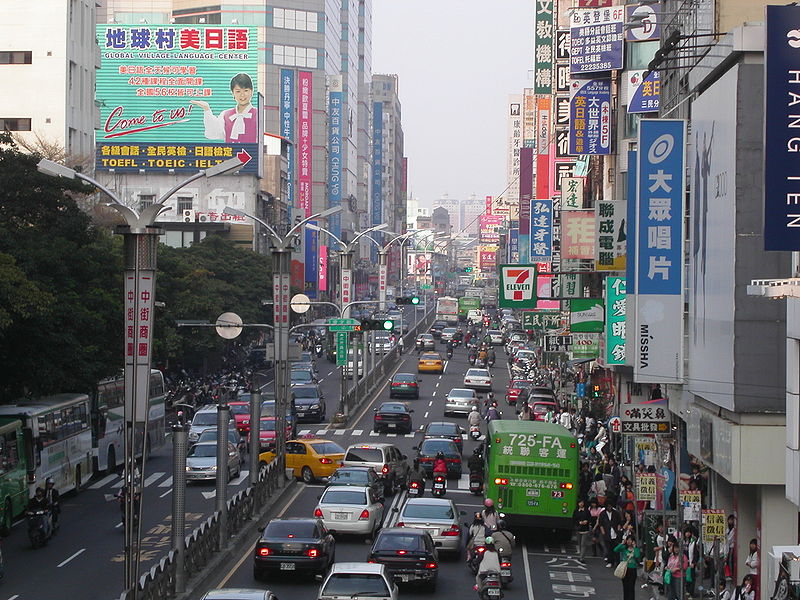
[
  {"x": 112, "y": 460},
  {"x": 77, "y": 479},
  {"x": 5, "y": 527}
]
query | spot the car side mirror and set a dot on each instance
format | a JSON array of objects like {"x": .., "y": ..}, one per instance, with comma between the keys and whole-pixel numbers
[{"x": 318, "y": 577}]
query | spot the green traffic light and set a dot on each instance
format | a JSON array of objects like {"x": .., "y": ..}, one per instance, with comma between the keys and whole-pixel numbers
[
  {"x": 388, "y": 325},
  {"x": 414, "y": 300}
]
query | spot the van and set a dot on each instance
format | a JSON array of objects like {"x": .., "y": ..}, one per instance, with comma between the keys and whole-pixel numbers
[
  {"x": 475, "y": 315},
  {"x": 387, "y": 460}
]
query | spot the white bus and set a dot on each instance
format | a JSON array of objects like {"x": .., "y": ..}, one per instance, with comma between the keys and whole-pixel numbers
[
  {"x": 108, "y": 419},
  {"x": 447, "y": 310},
  {"x": 57, "y": 439}
]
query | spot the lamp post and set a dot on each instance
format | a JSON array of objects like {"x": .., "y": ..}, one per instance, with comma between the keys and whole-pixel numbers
[
  {"x": 281, "y": 286},
  {"x": 140, "y": 244}
]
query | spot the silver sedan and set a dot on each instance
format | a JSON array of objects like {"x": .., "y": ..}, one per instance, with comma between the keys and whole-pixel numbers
[
  {"x": 460, "y": 400},
  {"x": 438, "y": 516},
  {"x": 201, "y": 461}
]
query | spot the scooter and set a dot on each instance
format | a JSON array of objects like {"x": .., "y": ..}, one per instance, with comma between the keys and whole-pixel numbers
[
  {"x": 505, "y": 572},
  {"x": 318, "y": 350},
  {"x": 474, "y": 557},
  {"x": 439, "y": 485},
  {"x": 474, "y": 433},
  {"x": 491, "y": 587},
  {"x": 472, "y": 358},
  {"x": 476, "y": 483},
  {"x": 415, "y": 489},
  {"x": 449, "y": 353},
  {"x": 40, "y": 527}
]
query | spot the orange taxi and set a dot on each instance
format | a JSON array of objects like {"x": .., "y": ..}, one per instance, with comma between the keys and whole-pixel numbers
[
  {"x": 430, "y": 362},
  {"x": 310, "y": 458}
]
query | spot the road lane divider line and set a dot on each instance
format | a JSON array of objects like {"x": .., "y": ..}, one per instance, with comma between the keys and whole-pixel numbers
[
  {"x": 14, "y": 597},
  {"x": 248, "y": 553},
  {"x": 167, "y": 493},
  {"x": 76, "y": 555},
  {"x": 433, "y": 393},
  {"x": 430, "y": 403},
  {"x": 426, "y": 415},
  {"x": 447, "y": 362},
  {"x": 528, "y": 582},
  {"x": 367, "y": 405}
]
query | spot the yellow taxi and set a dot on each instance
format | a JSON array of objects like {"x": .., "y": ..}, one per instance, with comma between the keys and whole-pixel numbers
[
  {"x": 310, "y": 458},
  {"x": 430, "y": 362}
]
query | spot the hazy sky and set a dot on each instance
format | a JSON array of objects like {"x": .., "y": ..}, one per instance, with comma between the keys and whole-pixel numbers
[{"x": 457, "y": 61}]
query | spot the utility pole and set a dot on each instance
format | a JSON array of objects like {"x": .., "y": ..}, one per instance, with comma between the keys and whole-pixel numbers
[
  {"x": 255, "y": 426},
  {"x": 223, "y": 418},
  {"x": 179, "y": 449}
]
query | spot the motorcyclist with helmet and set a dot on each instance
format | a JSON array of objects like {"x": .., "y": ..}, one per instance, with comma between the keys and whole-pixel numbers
[
  {"x": 416, "y": 473},
  {"x": 474, "y": 417},
  {"x": 492, "y": 413},
  {"x": 490, "y": 515},
  {"x": 439, "y": 465},
  {"x": 52, "y": 496},
  {"x": 490, "y": 562},
  {"x": 475, "y": 462}
]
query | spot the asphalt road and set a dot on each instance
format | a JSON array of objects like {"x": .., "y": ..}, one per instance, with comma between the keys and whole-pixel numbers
[{"x": 544, "y": 567}]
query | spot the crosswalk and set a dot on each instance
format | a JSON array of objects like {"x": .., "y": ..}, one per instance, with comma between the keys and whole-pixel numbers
[{"x": 155, "y": 479}]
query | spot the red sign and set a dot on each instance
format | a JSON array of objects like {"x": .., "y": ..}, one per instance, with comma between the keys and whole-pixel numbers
[
  {"x": 543, "y": 176},
  {"x": 488, "y": 210},
  {"x": 488, "y": 260},
  {"x": 323, "y": 269}
]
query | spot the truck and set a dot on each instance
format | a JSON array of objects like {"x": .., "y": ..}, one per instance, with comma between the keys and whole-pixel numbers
[
  {"x": 466, "y": 304},
  {"x": 447, "y": 310}
]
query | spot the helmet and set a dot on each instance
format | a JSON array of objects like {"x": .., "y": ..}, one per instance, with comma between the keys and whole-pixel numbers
[
  {"x": 488, "y": 503},
  {"x": 489, "y": 540},
  {"x": 440, "y": 454},
  {"x": 49, "y": 481},
  {"x": 501, "y": 524},
  {"x": 474, "y": 409}
]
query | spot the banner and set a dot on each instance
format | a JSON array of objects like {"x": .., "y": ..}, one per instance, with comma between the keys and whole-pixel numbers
[
  {"x": 490, "y": 228},
  {"x": 646, "y": 487},
  {"x": 643, "y": 93},
  {"x": 543, "y": 46},
  {"x": 305, "y": 148},
  {"x": 517, "y": 285},
  {"x": 335, "y": 100},
  {"x": 541, "y": 230},
  {"x": 571, "y": 285},
  {"x": 586, "y": 315},
  {"x": 590, "y": 116},
  {"x": 610, "y": 236},
  {"x": 572, "y": 193},
  {"x": 544, "y": 290},
  {"x": 615, "y": 321},
  {"x": 323, "y": 268},
  {"x": 487, "y": 258},
  {"x": 690, "y": 500},
  {"x": 713, "y": 525},
  {"x": 176, "y": 98},
  {"x": 585, "y": 345},
  {"x": 287, "y": 132},
  {"x": 513, "y": 244},
  {"x": 577, "y": 234},
  {"x": 596, "y": 39},
  {"x": 311, "y": 262},
  {"x": 658, "y": 342},
  {"x": 649, "y": 416}
]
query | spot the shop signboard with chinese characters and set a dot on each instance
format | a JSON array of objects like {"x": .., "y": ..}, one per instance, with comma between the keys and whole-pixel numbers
[
  {"x": 596, "y": 39},
  {"x": 615, "y": 321},
  {"x": 585, "y": 345},
  {"x": 577, "y": 234},
  {"x": 287, "y": 109},
  {"x": 649, "y": 416},
  {"x": 610, "y": 240},
  {"x": 541, "y": 236},
  {"x": 643, "y": 93},
  {"x": 311, "y": 264},
  {"x": 572, "y": 193},
  {"x": 305, "y": 149},
  {"x": 489, "y": 228},
  {"x": 690, "y": 500},
  {"x": 540, "y": 320},
  {"x": 544, "y": 32},
  {"x": 646, "y": 487},
  {"x": 570, "y": 285},
  {"x": 586, "y": 315},
  {"x": 713, "y": 525},
  {"x": 517, "y": 286},
  {"x": 335, "y": 119},
  {"x": 177, "y": 98},
  {"x": 487, "y": 258},
  {"x": 590, "y": 116}
]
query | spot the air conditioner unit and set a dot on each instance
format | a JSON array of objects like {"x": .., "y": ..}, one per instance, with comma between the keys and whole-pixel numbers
[
  {"x": 188, "y": 216},
  {"x": 204, "y": 218}
]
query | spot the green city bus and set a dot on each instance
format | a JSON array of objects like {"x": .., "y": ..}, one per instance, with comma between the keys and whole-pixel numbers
[
  {"x": 532, "y": 472},
  {"x": 13, "y": 474}
]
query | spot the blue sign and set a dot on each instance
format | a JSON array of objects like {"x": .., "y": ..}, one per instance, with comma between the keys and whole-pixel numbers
[
  {"x": 541, "y": 248},
  {"x": 335, "y": 99},
  {"x": 596, "y": 39},
  {"x": 311, "y": 261},
  {"x": 782, "y": 138},
  {"x": 630, "y": 243},
  {"x": 513, "y": 245},
  {"x": 580, "y": 390},
  {"x": 590, "y": 116},
  {"x": 643, "y": 93},
  {"x": 377, "y": 169},
  {"x": 287, "y": 131},
  {"x": 660, "y": 190}
]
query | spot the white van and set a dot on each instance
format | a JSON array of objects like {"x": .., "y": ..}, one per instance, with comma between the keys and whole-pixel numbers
[{"x": 475, "y": 315}]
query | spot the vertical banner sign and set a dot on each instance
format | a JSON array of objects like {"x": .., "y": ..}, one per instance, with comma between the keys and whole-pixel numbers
[
  {"x": 487, "y": 258},
  {"x": 377, "y": 163},
  {"x": 632, "y": 205},
  {"x": 543, "y": 47},
  {"x": 590, "y": 116},
  {"x": 311, "y": 262},
  {"x": 541, "y": 230},
  {"x": 323, "y": 268},
  {"x": 139, "y": 309},
  {"x": 177, "y": 98},
  {"x": 615, "y": 321},
  {"x": 596, "y": 39},
  {"x": 544, "y": 290},
  {"x": 514, "y": 170},
  {"x": 577, "y": 234},
  {"x": 347, "y": 288},
  {"x": 572, "y": 193},
  {"x": 543, "y": 106},
  {"x": 643, "y": 93},
  {"x": 525, "y": 194},
  {"x": 781, "y": 141},
  {"x": 335, "y": 100},
  {"x": 528, "y": 118},
  {"x": 287, "y": 132},
  {"x": 341, "y": 348},
  {"x": 513, "y": 244},
  {"x": 517, "y": 286},
  {"x": 488, "y": 207},
  {"x": 305, "y": 150},
  {"x": 659, "y": 251},
  {"x": 281, "y": 287},
  {"x": 543, "y": 176},
  {"x": 610, "y": 238}
]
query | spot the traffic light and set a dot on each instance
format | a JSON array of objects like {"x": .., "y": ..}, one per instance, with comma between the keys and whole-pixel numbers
[
  {"x": 467, "y": 269},
  {"x": 595, "y": 391},
  {"x": 407, "y": 300},
  {"x": 377, "y": 325}
]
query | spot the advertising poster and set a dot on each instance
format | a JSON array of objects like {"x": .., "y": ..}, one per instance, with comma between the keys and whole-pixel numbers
[
  {"x": 541, "y": 230},
  {"x": 658, "y": 340},
  {"x": 577, "y": 234},
  {"x": 610, "y": 238},
  {"x": 311, "y": 262},
  {"x": 713, "y": 524},
  {"x": 177, "y": 98},
  {"x": 615, "y": 321},
  {"x": 490, "y": 228},
  {"x": 543, "y": 43},
  {"x": 596, "y": 39},
  {"x": 335, "y": 99},
  {"x": 305, "y": 146},
  {"x": 487, "y": 258},
  {"x": 377, "y": 171},
  {"x": 322, "y": 277},
  {"x": 287, "y": 132},
  {"x": 646, "y": 487},
  {"x": 517, "y": 286},
  {"x": 529, "y": 118},
  {"x": 590, "y": 116},
  {"x": 643, "y": 93},
  {"x": 513, "y": 244},
  {"x": 586, "y": 315},
  {"x": 585, "y": 345}
]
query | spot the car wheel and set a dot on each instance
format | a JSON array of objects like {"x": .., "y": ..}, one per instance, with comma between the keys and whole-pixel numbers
[{"x": 307, "y": 475}]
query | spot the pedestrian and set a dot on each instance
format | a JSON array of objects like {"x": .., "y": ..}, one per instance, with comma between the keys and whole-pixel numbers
[
  {"x": 597, "y": 540},
  {"x": 525, "y": 413},
  {"x": 582, "y": 520},
  {"x": 609, "y": 522},
  {"x": 400, "y": 344},
  {"x": 673, "y": 572},
  {"x": 730, "y": 543},
  {"x": 629, "y": 555},
  {"x": 746, "y": 591},
  {"x": 752, "y": 563},
  {"x": 691, "y": 547},
  {"x": 598, "y": 489}
]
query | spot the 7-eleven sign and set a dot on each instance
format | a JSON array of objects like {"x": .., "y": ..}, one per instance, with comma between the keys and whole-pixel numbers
[{"x": 518, "y": 286}]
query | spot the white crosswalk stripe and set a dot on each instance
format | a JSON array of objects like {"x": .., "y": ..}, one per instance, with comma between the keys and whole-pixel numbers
[
  {"x": 373, "y": 434},
  {"x": 391, "y": 435},
  {"x": 153, "y": 478},
  {"x": 358, "y": 431},
  {"x": 463, "y": 482},
  {"x": 166, "y": 483},
  {"x": 104, "y": 481},
  {"x": 303, "y": 432},
  {"x": 118, "y": 484},
  {"x": 339, "y": 432},
  {"x": 409, "y": 435},
  {"x": 242, "y": 477},
  {"x": 322, "y": 431}
]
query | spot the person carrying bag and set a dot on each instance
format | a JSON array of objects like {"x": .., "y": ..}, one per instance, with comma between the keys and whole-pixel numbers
[{"x": 626, "y": 569}]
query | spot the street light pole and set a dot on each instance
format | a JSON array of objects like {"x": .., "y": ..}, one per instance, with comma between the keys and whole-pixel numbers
[{"x": 140, "y": 245}]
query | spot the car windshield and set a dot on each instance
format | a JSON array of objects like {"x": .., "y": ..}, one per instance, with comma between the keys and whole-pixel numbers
[
  {"x": 355, "y": 584},
  {"x": 267, "y": 425},
  {"x": 442, "y": 512},
  {"x": 268, "y": 408},
  {"x": 210, "y": 435},
  {"x": 542, "y": 408},
  {"x": 431, "y": 447},
  {"x": 399, "y": 541},
  {"x": 303, "y": 392},
  {"x": 461, "y": 393},
  {"x": 426, "y": 336},
  {"x": 205, "y": 418},
  {"x": 430, "y": 356},
  {"x": 370, "y": 455},
  {"x": 350, "y": 477},
  {"x": 290, "y": 528},
  {"x": 343, "y": 496},
  {"x": 386, "y": 407},
  {"x": 239, "y": 409},
  {"x": 404, "y": 378},
  {"x": 477, "y": 373},
  {"x": 494, "y": 332},
  {"x": 526, "y": 354},
  {"x": 441, "y": 429},
  {"x": 449, "y": 330},
  {"x": 301, "y": 376},
  {"x": 202, "y": 451},
  {"x": 327, "y": 448}
]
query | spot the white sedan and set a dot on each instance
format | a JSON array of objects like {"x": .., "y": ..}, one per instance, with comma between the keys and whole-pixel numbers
[
  {"x": 478, "y": 379},
  {"x": 350, "y": 510}
]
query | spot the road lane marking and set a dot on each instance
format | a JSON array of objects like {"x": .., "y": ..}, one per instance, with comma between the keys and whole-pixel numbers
[
  {"x": 119, "y": 483},
  {"x": 391, "y": 435},
  {"x": 367, "y": 405},
  {"x": 331, "y": 373},
  {"x": 373, "y": 434},
  {"x": 358, "y": 431},
  {"x": 242, "y": 476},
  {"x": 14, "y": 597},
  {"x": 437, "y": 383},
  {"x": 463, "y": 482},
  {"x": 433, "y": 393},
  {"x": 153, "y": 478},
  {"x": 167, "y": 493},
  {"x": 339, "y": 432},
  {"x": 209, "y": 495},
  {"x": 430, "y": 403},
  {"x": 105, "y": 480},
  {"x": 409, "y": 435},
  {"x": 321, "y": 431},
  {"x": 248, "y": 553},
  {"x": 426, "y": 416},
  {"x": 445, "y": 366},
  {"x": 78, "y": 553},
  {"x": 166, "y": 483},
  {"x": 304, "y": 432},
  {"x": 527, "y": 571}
]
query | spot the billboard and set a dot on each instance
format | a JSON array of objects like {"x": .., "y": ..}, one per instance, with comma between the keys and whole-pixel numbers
[
  {"x": 311, "y": 262},
  {"x": 287, "y": 132},
  {"x": 177, "y": 98},
  {"x": 489, "y": 228},
  {"x": 541, "y": 238},
  {"x": 572, "y": 193},
  {"x": 643, "y": 93},
  {"x": 615, "y": 321},
  {"x": 646, "y": 20},
  {"x": 517, "y": 286},
  {"x": 577, "y": 234},
  {"x": 377, "y": 166},
  {"x": 586, "y": 315},
  {"x": 658, "y": 342},
  {"x": 611, "y": 238},
  {"x": 323, "y": 268},
  {"x": 305, "y": 147},
  {"x": 487, "y": 258},
  {"x": 712, "y": 222},
  {"x": 596, "y": 39},
  {"x": 545, "y": 287},
  {"x": 335, "y": 100},
  {"x": 590, "y": 116},
  {"x": 543, "y": 46}
]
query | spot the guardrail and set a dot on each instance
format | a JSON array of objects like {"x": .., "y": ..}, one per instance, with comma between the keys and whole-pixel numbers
[{"x": 203, "y": 543}]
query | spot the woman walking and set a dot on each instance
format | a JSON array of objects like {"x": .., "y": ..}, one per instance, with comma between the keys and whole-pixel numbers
[
  {"x": 629, "y": 555},
  {"x": 675, "y": 567}
]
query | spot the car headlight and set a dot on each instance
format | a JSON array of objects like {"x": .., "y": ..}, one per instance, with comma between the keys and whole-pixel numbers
[{"x": 314, "y": 407}]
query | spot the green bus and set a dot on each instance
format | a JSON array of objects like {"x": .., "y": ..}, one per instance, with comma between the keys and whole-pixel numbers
[
  {"x": 466, "y": 304},
  {"x": 13, "y": 474},
  {"x": 532, "y": 472}
]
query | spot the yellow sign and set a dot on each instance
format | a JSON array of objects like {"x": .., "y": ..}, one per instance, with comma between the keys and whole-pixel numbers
[
  {"x": 713, "y": 525},
  {"x": 646, "y": 487}
]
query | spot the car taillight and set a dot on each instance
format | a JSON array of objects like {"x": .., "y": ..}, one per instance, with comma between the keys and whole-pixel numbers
[
  {"x": 318, "y": 513},
  {"x": 500, "y": 481},
  {"x": 467, "y": 381},
  {"x": 430, "y": 565},
  {"x": 264, "y": 551},
  {"x": 505, "y": 565},
  {"x": 326, "y": 461},
  {"x": 364, "y": 515},
  {"x": 565, "y": 486},
  {"x": 385, "y": 469},
  {"x": 400, "y": 524},
  {"x": 379, "y": 417},
  {"x": 395, "y": 383},
  {"x": 312, "y": 553},
  {"x": 414, "y": 484},
  {"x": 401, "y": 552},
  {"x": 453, "y": 531}
]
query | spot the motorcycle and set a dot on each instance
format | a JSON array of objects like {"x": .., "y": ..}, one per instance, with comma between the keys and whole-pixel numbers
[
  {"x": 318, "y": 350},
  {"x": 449, "y": 353},
  {"x": 472, "y": 359},
  {"x": 415, "y": 488},
  {"x": 505, "y": 572},
  {"x": 439, "y": 486},
  {"x": 490, "y": 587},
  {"x": 40, "y": 527},
  {"x": 491, "y": 360},
  {"x": 474, "y": 557},
  {"x": 476, "y": 483},
  {"x": 475, "y": 433}
]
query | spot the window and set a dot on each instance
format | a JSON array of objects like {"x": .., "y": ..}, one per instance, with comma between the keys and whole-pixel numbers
[
  {"x": 9, "y": 452},
  {"x": 146, "y": 200},
  {"x": 294, "y": 56},
  {"x": 284, "y": 18},
  {"x": 63, "y": 423},
  {"x": 16, "y": 57},
  {"x": 11, "y": 124},
  {"x": 184, "y": 203}
]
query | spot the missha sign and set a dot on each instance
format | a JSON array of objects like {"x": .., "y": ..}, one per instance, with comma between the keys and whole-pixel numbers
[{"x": 517, "y": 286}]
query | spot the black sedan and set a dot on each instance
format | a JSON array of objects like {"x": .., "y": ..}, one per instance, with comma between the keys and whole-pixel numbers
[
  {"x": 358, "y": 477},
  {"x": 291, "y": 545},
  {"x": 436, "y": 328},
  {"x": 445, "y": 429},
  {"x": 394, "y": 417},
  {"x": 309, "y": 402},
  {"x": 404, "y": 384},
  {"x": 429, "y": 448},
  {"x": 409, "y": 554}
]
